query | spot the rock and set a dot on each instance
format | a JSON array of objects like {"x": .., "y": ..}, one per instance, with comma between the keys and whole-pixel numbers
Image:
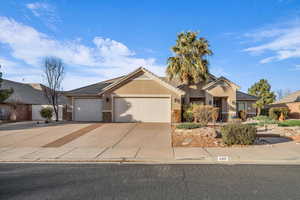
[
  {"x": 186, "y": 141},
  {"x": 207, "y": 132}
]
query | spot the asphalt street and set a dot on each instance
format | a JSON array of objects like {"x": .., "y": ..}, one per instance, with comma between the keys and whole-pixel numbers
[{"x": 123, "y": 181}]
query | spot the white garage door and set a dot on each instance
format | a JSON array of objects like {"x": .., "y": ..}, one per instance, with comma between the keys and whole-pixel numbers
[
  {"x": 137, "y": 109},
  {"x": 88, "y": 110},
  {"x": 36, "y": 109}
]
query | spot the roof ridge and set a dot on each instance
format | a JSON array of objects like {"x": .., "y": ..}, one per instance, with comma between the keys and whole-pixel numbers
[
  {"x": 14, "y": 82},
  {"x": 105, "y": 81}
]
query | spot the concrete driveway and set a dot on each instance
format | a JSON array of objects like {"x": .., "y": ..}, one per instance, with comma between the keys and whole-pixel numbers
[
  {"x": 89, "y": 135},
  {"x": 32, "y": 135},
  {"x": 128, "y": 141},
  {"x": 126, "y": 135},
  {"x": 88, "y": 141}
]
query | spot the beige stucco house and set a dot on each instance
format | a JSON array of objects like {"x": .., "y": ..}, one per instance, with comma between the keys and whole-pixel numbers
[
  {"x": 142, "y": 96},
  {"x": 292, "y": 102},
  {"x": 26, "y": 102}
]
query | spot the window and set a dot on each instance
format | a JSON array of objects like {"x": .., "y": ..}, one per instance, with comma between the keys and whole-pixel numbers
[
  {"x": 197, "y": 100},
  {"x": 241, "y": 106}
]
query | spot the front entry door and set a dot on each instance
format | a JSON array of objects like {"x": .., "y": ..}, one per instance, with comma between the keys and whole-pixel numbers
[{"x": 218, "y": 104}]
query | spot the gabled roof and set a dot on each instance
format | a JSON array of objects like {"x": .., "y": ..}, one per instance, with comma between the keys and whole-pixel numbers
[
  {"x": 218, "y": 80},
  {"x": 93, "y": 89},
  {"x": 294, "y": 97},
  {"x": 147, "y": 72},
  {"x": 25, "y": 93},
  {"x": 244, "y": 96}
]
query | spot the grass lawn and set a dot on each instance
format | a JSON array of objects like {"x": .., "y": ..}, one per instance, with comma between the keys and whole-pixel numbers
[{"x": 289, "y": 123}]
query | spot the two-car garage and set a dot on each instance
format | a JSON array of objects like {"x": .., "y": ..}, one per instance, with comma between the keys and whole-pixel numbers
[{"x": 125, "y": 109}]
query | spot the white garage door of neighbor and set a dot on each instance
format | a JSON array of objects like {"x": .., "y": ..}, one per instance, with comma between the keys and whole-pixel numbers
[
  {"x": 36, "y": 109},
  {"x": 88, "y": 110},
  {"x": 132, "y": 109}
]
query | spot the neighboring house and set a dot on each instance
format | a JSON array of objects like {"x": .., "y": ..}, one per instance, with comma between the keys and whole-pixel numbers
[
  {"x": 143, "y": 96},
  {"x": 26, "y": 102},
  {"x": 292, "y": 102}
]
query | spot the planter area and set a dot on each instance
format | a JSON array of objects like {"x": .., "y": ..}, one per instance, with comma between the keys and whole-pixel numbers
[
  {"x": 189, "y": 135},
  {"x": 198, "y": 137}
]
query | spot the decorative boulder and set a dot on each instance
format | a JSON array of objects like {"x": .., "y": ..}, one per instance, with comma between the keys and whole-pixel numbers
[{"x": 207, "y": 132}]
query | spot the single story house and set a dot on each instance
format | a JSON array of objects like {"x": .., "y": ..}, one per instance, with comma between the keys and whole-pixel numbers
[
  {"x": 142, "y": 96},
  {"x": 292, "y": 102},
  {"x": 26, "y": 102}
]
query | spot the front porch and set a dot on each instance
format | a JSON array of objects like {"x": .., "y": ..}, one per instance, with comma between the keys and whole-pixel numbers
[{"x": 219, "y": 102}]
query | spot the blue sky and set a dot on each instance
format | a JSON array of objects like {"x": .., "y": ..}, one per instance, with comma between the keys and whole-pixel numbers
[{"x": 97, "y": 40}]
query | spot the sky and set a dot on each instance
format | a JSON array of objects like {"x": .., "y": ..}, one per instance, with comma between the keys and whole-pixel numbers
[{"x": 102, "y": 39}]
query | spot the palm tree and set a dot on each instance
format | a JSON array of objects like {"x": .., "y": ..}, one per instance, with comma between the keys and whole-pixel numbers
[{"x": 190, "y": 64}]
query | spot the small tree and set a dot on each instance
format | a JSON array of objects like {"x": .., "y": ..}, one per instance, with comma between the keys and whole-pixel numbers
[
  {"x": 280, "y": 94},
  {"x": 54, "y": 73},
  {"x": 4, "y": 93},
  {"x": 46, "y": 113},
  {"x": 262, "y": 90}
]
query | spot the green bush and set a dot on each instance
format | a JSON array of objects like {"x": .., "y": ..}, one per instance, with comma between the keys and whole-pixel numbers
[
  {"x": 244, "y": 134},
  {"x": 188, "y": 126},
  {"x": 262, "y": 118},
  {"x": 264, "y": 111},
  {"x": 275, "y": 112},
  {"x": 289, "y": 123},
  {"x": 188, "y": 113},
  {"x": 46, "y": 113}
]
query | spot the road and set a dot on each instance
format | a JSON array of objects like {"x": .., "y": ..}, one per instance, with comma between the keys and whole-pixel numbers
[{"x": 114, "y": 181}]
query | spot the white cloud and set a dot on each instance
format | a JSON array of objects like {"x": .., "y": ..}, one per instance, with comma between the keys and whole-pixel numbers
[
  {"x": 37, "y": 8},
  {"x": 107, "y": 58},
  {"x": 6, "y": 63},
  {"x": 46, "y": 12},
  {"x": 283, "y": 42}
]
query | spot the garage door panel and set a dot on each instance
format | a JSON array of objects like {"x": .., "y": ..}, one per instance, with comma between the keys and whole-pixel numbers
[
  {"x": 134, "y": 109},
  {"x": 88, "y": 110}
]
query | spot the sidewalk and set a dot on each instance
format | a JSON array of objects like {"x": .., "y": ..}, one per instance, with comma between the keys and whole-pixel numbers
[{"x": 283, "y": 153}]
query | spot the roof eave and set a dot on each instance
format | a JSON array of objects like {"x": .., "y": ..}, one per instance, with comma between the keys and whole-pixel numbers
[{"x": 177, "y": 90}]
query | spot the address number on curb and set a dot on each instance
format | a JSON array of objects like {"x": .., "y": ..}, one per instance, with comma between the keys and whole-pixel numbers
[{"x": 223, "y": 158}]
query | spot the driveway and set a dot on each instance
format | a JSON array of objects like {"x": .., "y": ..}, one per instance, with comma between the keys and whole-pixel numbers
[
  {"x": 82, "y": 141},
  {"x": 89, "y": 135},
  {"x": 126, "y": 135},
  {"x": 35, "y": 135}
]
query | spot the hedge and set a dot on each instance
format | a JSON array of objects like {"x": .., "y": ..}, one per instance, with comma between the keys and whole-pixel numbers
[{"x": 244, "y": 134}]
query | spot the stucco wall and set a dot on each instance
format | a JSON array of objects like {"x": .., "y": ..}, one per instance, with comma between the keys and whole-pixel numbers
[
  {"x": 225, "y": 91},
  {"x": 143, "y": 87},
  {"x": 293, "y": 106}
]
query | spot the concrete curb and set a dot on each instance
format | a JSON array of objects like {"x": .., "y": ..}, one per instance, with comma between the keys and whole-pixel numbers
[{"x": 153, "y": 162}]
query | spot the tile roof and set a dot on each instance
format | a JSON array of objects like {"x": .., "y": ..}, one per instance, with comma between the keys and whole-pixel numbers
[
  {"x": 92, "y": 89},
  {"x": 25, "y": 93},
  {"x": 244, "y": 96},
  {"x": 294, "y": 97}
]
